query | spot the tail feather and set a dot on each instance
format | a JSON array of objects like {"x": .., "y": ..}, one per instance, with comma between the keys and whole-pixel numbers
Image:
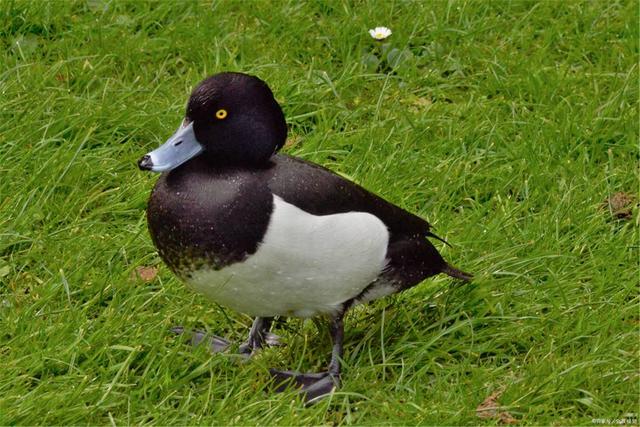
[
  {"x": 430, "y": 234},
  {"x": 457, "y": 274},
  {"x": 448, "y": 269}
]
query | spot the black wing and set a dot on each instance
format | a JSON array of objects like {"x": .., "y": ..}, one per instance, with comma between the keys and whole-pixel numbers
[{"x": 320, "y": 191}]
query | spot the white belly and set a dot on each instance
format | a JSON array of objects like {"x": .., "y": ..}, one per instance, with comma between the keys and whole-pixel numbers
[{"x": 306, "y": 264}]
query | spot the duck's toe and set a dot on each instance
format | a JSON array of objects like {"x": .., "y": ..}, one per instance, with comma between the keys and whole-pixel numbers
[
  {"x": 314, "y": 386},
  {"x": 270, "y": 339},
  {"x": 273, "y": 340}
]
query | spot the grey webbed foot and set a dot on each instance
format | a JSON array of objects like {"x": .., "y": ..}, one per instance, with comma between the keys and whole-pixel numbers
[
  {"x": 214, "y": 343},
  {"x": 314, "y": 386}
]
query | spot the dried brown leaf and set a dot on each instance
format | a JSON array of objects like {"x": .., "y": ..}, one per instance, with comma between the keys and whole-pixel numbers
[
  {"x": 490, "y": 408},
  {"x": 506, "y": 418},
  {"x": 620, "y": 205},
  {"x": 145, "y": 273}
]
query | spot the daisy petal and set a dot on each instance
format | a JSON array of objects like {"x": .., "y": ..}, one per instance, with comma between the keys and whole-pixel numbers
[{"x": 380, "y": 33}]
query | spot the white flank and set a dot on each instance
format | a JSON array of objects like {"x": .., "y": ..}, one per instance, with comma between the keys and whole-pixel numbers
[
  {"x": 379, "y": 290},
  {"x": 306, "y": 265}
]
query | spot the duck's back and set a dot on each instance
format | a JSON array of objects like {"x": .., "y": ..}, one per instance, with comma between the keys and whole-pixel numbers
[{"x": 320, "y": 191}]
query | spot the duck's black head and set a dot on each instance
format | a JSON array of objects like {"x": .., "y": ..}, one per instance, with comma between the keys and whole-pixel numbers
[{"x": 231, "y": 118}]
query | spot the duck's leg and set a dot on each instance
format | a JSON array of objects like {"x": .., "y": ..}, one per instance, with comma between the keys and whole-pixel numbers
[
  {"x": 258, "y": 337},
  {"x": 317, "y": 385}
]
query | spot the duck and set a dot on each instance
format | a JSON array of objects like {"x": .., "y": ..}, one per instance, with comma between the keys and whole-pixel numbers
[{"x": 271, "y": 235}]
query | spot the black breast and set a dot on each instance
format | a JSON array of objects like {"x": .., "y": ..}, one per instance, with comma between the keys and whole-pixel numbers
[{"x": 201, "y": 217}]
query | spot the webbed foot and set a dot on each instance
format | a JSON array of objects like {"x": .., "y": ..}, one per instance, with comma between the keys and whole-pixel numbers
[
  {"x": 314, "y": 386},
  {"x": 214, "y": 343}
]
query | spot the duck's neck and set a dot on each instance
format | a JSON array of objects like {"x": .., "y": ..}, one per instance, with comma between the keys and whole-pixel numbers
[{"x": 205, "y": 162}]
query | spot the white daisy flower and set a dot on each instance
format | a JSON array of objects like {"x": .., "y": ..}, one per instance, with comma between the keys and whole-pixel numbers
[{"x": 380, "y": 33}]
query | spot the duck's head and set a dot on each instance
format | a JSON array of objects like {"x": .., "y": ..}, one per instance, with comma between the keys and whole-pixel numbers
[{"x": 231, "y": 118}]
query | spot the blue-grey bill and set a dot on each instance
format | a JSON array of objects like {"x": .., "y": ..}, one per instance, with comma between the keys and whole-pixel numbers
[{"x": 181, "y": 147}]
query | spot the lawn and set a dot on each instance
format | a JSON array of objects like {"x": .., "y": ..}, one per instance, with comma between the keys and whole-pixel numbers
[{"x": 511, "y": 126}]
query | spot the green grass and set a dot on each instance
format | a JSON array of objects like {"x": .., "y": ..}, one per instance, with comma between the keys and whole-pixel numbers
[{"x": 507, "y": 127}]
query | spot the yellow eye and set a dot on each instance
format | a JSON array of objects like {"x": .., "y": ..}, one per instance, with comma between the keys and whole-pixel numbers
[{"x": 221, "y": 114}]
